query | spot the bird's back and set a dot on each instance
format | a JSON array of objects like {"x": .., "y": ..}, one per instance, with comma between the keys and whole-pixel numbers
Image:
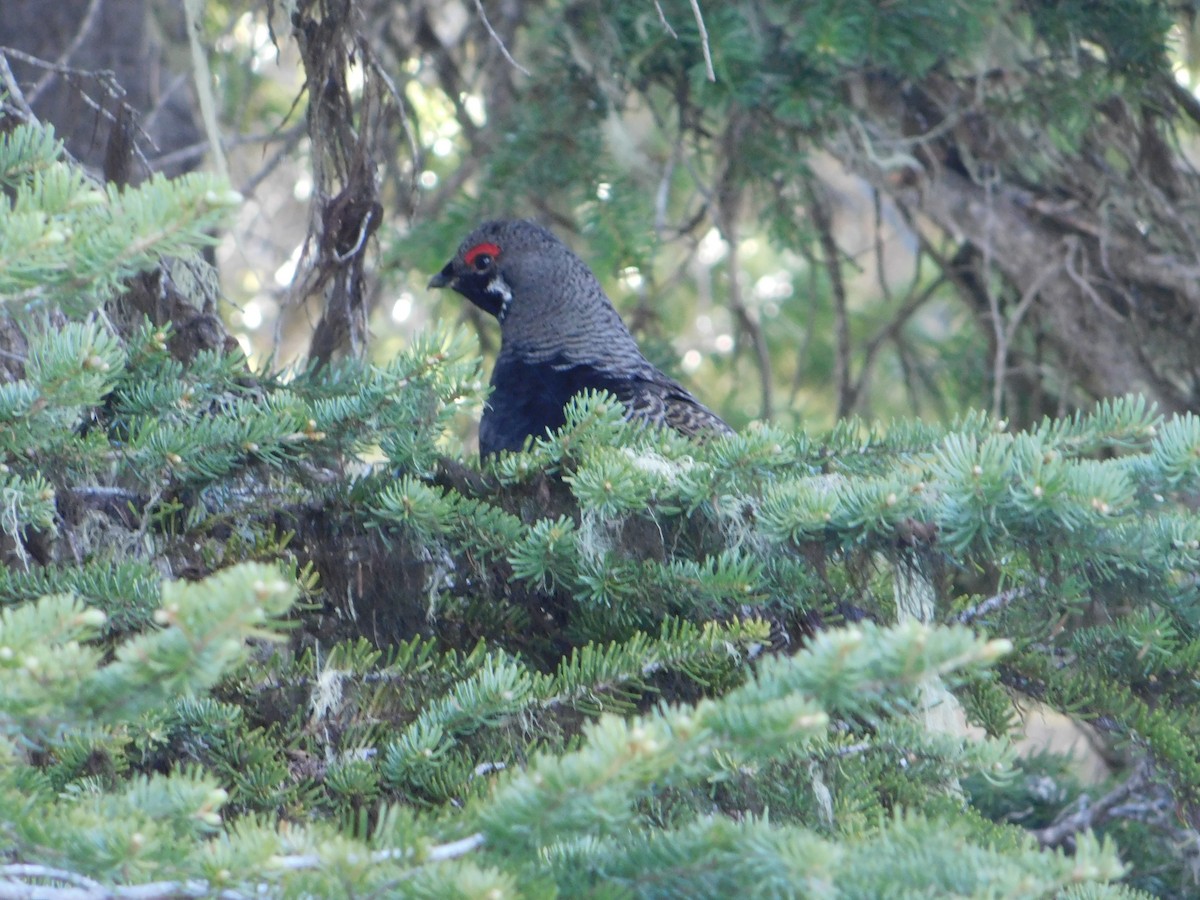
[{"x": 662, "y": 401}]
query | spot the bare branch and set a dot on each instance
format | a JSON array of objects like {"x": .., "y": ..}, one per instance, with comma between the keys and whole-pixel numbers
[
  {"x": 662, "y": 17},
  {"x": 14, "y": 885},
  {"x": 103, "y": 77},
  {"x": 291, "y": 140},
  {"x": 14, "y": 878},
  {"x": 708, "y": 63},
  {"x": 84, "y": 29},
  {"x": 414, "y": 146},
  {"x": 13, "y": 89},
  {"x": 995, "y": 602},
  {"x": 729, "y": 202},
  {"x": 878, "y": 242},
  {"x": 1089, "y": 815},
  {"x": 454, "y": 848},
  {"x": 31, "y": 870},
  {"x": 911, "y": 305},
  {"x": 499, "y": 42},
  {"x": 204, "y": 82}
]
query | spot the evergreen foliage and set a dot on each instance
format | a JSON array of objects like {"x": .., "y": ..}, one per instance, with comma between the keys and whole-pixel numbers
[
  {"x": 263, "y": 633},
  {"x": 68, "y": 243}
]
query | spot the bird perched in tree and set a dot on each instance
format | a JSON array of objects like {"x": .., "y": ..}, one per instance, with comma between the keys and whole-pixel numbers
[{"x": 559, "y": 335}]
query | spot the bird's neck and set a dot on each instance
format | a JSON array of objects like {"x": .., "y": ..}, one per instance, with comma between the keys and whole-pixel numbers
[{"x": 598, "y": 338}]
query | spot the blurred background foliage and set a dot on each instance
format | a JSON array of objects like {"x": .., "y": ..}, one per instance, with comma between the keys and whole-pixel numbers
[{"x": 805, "y": 210}]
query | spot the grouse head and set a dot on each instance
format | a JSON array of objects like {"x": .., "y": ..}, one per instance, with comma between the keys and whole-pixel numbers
[{"x": 548, "y": 302}]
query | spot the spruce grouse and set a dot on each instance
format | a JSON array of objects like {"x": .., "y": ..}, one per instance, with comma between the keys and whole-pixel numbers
[{"x": 559, "y": 335}]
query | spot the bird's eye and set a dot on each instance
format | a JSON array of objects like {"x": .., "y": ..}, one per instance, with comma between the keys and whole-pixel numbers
[{"x": 481, "y": 256}]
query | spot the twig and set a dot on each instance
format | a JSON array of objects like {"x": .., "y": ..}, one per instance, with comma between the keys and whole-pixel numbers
[
  {"x": 454, "y": 848},
  {"x": 32, "y": 870},
  {"x": 84, "y": 29},
  {"x": 1085, "y": 286},
  {"x": 729, "y": 197},
  {"x": 708, "y": 63},
  {"x": 102, "y": 495},
  {"x": 897, "y": 160},
  {"x": 986, "y": 247},
  {"x": 1090, "y": 815},
  {"x": 499, "y": 43},
  {"x": 663, "y": 194},
  {"x": 204, "y": 83},
  {"x": 914, "y": 301},
  {"x": 414, "y": 146},
  {"x": 880, "y": 273},
  {"x": 15, "y": 886},
  {"x": 854, "y": 749},
  {"x": 365, "y": 229},
  {"x": 1005, "y": 334},
  {"x": 14, "y": 883},
  {"x": 995, "y": 602},
  {"x": 662, "y": 17},
  {"x": 104, "y": 77},
  {"x": 293, "y": 139},
  {"x": 758, "y": 340},
  {"x": 809, "y": 329},
  {"x": 9, "y": 81}
]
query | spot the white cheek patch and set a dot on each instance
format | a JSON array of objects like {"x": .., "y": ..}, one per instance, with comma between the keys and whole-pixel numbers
[{"x": 500, "y": 288}]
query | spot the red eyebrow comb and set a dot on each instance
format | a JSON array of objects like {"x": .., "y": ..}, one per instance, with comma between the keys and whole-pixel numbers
[{"x": 478, "y": 250}]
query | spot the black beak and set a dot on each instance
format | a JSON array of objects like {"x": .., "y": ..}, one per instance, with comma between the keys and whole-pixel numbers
[{"x": 444, "y": 278}]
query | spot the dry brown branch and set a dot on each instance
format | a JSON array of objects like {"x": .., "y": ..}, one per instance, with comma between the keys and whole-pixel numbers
[
  {"x": 810, "y": 328},
  {"x": 291, "y": 140},
  {"x": 1024, "y": 248},
  {"x": 877, "y": 243},
  {"x": 1005, "y": 334},
  {"x": 103, "y": 78},
  {"x": 110, "y": 105}
]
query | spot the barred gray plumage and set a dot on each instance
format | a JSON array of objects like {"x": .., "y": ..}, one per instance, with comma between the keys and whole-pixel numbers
[{"x": 559, "y": 335}]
